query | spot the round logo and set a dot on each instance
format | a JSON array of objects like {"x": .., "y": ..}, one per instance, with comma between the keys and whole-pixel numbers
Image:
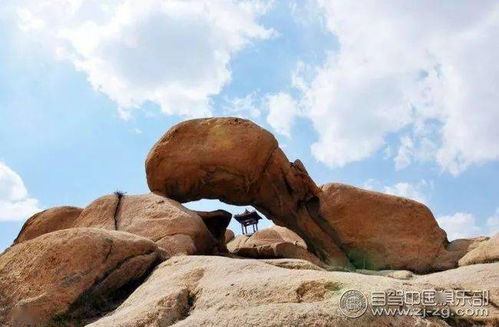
[{"x": 353, "y": 303}]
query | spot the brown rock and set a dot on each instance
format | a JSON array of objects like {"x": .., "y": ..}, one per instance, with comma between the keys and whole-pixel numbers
[
  {"x": 67, "y": 274},
  {"x": 240, "y": 163},
  {"x": 276, "y": 234},
  {"x": 173, "y": 227},
  {"x": 236, "y": 243},
  {"x": 381, "y": 231},
  {"x": 485, "y": 252},
  {"x": 48, "y": 221},
  {"x": 272, "y": 242},
  {"x": 217, "y": 222},
  {"x": 454, "y": 251},
  {"x": 188, "y": 291},
  {"x": 229, "y": 235}
]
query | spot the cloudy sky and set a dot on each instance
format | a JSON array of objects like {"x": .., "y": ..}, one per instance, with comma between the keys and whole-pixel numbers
[{"x": 396, "y": 96}]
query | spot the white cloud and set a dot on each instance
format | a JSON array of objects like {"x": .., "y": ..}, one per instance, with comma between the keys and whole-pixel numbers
[
  {"x": 15, "y": 203},
  {"x": 282, "y": 111},
  {"x": 459, "y": 225},
  {"x": 243, "y": 106},
  {"x": 493, "y": 223},
  {"x": 419, "y": 191},
  {"x": 174, "y": 53},
  {"x": 405, "y": 153},
  {"x": 423, "y": 66}
]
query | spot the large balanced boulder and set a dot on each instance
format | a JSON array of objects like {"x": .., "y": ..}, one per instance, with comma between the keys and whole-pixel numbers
[
  {"x": 220, "y": 291},
  {"x": 240, "y": 163},
  {"x": 485, "y": 252},
  {"x": 173, "y": 227},
  {"x": 48, "y": 221},
  {"x": 381, "y": 231},
  {"x": 272, "y": 242},
  {"x": 70, "y": 275}
]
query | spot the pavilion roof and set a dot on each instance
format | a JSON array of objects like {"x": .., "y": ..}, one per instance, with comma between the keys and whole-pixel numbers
[{"x": 247, "y": 215}]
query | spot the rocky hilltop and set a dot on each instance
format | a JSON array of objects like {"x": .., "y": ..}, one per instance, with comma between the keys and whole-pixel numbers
[{"x": 335, "y": 252}]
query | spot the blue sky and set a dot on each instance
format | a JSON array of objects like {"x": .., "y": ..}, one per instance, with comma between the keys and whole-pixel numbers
[{"x": 361, "y": 96}]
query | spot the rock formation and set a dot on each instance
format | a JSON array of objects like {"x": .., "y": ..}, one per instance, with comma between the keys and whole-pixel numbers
[
  {"x": 272, "y": 242},
  {"x": 375, "y": 228},
  {"x": 455, "y": 250},
  {"x": 229, "y": 236},
  {"x": 485, "y": 252},
  {"x": 48, "y": 221},
  {"x": 217, "y": 222},
  {"x": 172, "y": 226},
  {"x": 102, "y": 265},
  {"x": 68, "y": 274},
  {"x": 176, "y": 229},
  {"x": 190, "y": 291},
  {"x": 240, "y": 163}
]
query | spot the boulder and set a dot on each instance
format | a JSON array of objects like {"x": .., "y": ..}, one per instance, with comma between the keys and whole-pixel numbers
[
  {"x": 70, "y": 275},
  {"x": 238, "y": 162},
  {"x": 485, "y": 252},
  {"x": 276, "y": 234},
  {"x": 48, "y": 221},
  {"x": 272, "y": 242},
  {"x": 455, "y": 250},
  {"x": 189, "y": 291},
  {"x": 217, "y": 222},
  {"x": 381, "y": 231},
  {"x": 237, "y": 243},
  {"x": 173, "y": 227},
  {"x": 229, "y": 236}
]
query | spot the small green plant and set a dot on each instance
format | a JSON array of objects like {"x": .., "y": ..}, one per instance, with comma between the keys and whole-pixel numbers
[{"x": 360, "y": 259}]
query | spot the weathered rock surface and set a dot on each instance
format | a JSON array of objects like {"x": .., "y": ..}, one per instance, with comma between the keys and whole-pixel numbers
[
  {"x": 240, "y": 163},
  {"x": 272, "y": 242},
  {"x": 275, "y": 234},
  {"x": 189, "y": 291},
  {"x": 173, "y": 227},
  {"x": 485, "y": 252},
  {"x": 217, "y": 222},
  {"x": 67, "y": 274},
  {"x": 229, "y": 235},
  {"x": 455, "y": 250},
  {"x": 381, "y": 231},
  {"x": 48, "y": 221}
]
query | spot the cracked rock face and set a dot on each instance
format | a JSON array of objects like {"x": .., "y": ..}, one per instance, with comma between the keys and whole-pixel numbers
[
  {"x": 220, "y": 291},
  {"x": 50, "y": 278},
  {"x": 176, "y": 229},
  {"x": 238, "y": 162},
  {"x": 173, "y": 227},
  {"x": 48, "y": 221}
]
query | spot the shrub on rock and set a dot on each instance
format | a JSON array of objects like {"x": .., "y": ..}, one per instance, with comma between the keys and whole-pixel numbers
[{"x": 173, "y": 227}]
